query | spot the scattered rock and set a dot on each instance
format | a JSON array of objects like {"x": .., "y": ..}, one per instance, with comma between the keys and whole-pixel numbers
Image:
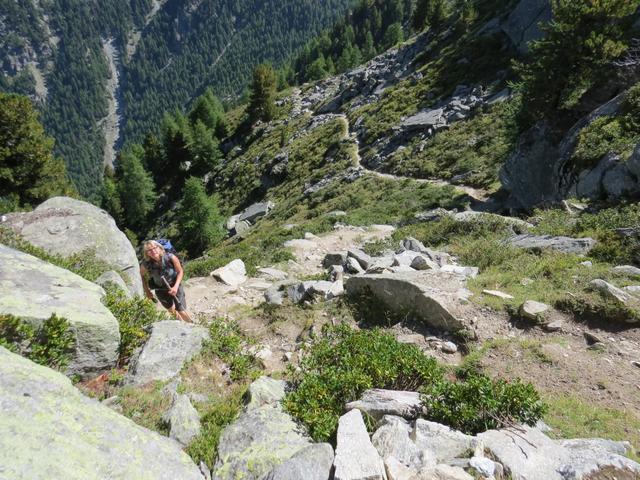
[
  {"x": 591, "y": 338},
  {"x": 420, "y": 262},
  {"x": 74, "y": 436},
  {"x": 444, "y": 472},
  {"x": 352, "y": 437},
  {"x": 34, "y": 290},
  {"x": 467, "y": 272},
  {"x": 274, "y": 296},
  {"x": 555, "y": 326},
  {"x": 449, "y": 347},
  {"x": 330, "y": 259},
  {"x": 233, "y": 273},
  {"x": 484, "y": 466},
  {"x": 587, "y": 263},
  {"x": 183, "y": 420},
  {"x": 255, "y": 211},
  {"x": 627, "y": 270},
  {"x": 363, "y": 259},
  {"x": 311, "y": 463},
  {"x": 498, "y": 294},
  {"x": 535, "y": 311},
  {"x": 273, "y": 273},
  {"x": 352, "y": 266},
  {"x": 379, "y": 402},
  {"x": 578, "y": 246},
  {"x": 170, "y": 345},
  {"x": 392, "y": 440},
  {"x": 442, "y": 441}
]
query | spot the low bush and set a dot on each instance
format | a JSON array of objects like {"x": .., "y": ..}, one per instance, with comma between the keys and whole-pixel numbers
[
  {"x": 479, "y": 403},
  {"x": 51, "y": 344},
  {"x": 339, "y": 367},
  {"x": 133, "y": 315},
  {"x": 216, "y": 416},
  {"x": 229, "y": 344}
]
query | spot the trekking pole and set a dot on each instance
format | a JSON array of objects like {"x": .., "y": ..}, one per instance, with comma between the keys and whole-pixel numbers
[{"x": 176, "y": 301}]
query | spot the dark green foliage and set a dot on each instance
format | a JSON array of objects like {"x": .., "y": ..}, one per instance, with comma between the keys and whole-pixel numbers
[
  {"x": 429, "y": 13},
  {"x": 110, "y": 200},
  {"x": 29, "y": 174},
  {"x": 478, "y": 403},
  {"x": 216, "y": 417},
  {"x": 370, "y": 27},
  {"x": 133, "y": 315},
  {"x": 263, "y": 91},
  {"x": 229, "y": 344},
  {"x": 136, "y": 188},
  {"x": 49, "y": 344},
  {"x": 618, "y": 134},
  {"x": 199, "y": 220},
  {"x": 339, "y": 367},
  {"x": 575, "y": 53}
]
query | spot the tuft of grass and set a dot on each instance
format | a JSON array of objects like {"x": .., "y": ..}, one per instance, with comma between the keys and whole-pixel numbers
[
  {"x": 145, "y": 405},
  {"x": 574, "y": 418}
]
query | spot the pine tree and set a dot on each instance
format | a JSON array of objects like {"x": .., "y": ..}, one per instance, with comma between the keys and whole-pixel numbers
[
  {"x": 199, "y": 220},
  {"x": 110, "y": 200},
  {"x": 204, "y": 150},
  {"x": 136, "y": 189},
  {"x": 263, "y": 91},
  {"x": 29, "y": 173}
]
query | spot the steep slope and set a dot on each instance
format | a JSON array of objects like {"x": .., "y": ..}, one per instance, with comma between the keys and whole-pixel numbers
[{"x": 104, "y": 72}]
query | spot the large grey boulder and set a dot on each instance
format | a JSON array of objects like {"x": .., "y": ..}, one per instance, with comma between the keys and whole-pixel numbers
[
  {"x": 262, "y": 437},
  {"x": 440, "y": 299},
  {"x": 443, "y": 442},
  {"x": 171, "y": 344},
  {"x": 356, "y": 458},
  {"x": 522, "y": 25},
  {"x": 392, "y": 439},
  {"x": 530, "y": 174},
  {"x": 65, "y": 226},
  {"x": 311, "y": 463},
  {"x": 183, "y": 420},
  {"x": 34, "y": 290},
  {"x": 255, "y": 211},
  {"x": 48, "y": 429},
  {"x": 528, "y": 454},
  {"x": 577, "y": 246},
  {"x": 111, "y": 279},
  {"x": 378, "y": 402}
]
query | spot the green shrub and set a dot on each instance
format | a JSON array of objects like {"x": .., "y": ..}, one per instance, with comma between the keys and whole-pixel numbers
[
  {"x": 133, "y": 315},
  {"x": 50, "y": 344},
  {"x": 339, "y": 367},
  {"x": 215, "y": 418},
  {"x": 479, "y": 403},
  {"x": 603, "y": 135},
  {"x": 229, "y": 344}
]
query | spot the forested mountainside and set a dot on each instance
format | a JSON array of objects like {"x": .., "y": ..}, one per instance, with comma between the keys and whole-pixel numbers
[{"x": 103, "y": 73}]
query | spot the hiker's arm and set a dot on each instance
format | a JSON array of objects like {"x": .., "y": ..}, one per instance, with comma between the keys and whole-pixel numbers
[
  {"x": 145, "y": 286},
  {"x": 178, "y": 268}
]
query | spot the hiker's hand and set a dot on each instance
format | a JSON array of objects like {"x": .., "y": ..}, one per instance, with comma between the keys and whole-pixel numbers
[{"x": 173, "y": 291}]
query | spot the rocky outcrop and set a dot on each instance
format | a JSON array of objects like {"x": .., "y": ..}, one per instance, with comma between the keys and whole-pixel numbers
[
  {"x": 262, "y": 437},
  {"x": 438, "y": 298},
  {"x": 523, "y": 24},
  {"x": 34, "y": 290},
  {"x": 65, "y": 226},
  {"x": 241, "y": 222},
  {"x": 171, "y": 344},
  {"x": 576, "y": 246},
  {"x": 183, "y": 420},
  {"x": 48, "y": 429}
]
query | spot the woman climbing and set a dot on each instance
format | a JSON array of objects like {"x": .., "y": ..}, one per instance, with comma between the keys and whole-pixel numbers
[{"x": 162, "y": 272}]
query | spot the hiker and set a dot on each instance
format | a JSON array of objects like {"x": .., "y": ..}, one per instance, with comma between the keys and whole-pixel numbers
[{"x": 163, "y": 272}]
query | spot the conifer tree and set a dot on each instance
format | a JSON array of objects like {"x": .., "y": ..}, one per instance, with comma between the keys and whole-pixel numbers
[
  {"x": 263, "y": 91},
  {"x": 136, "y": 188},
  {"x": 200, "y": 221},
  {"x": 204, "y": 151},
  {"x": 29, "y": 173},
  {"x": 110, "y": 200}
]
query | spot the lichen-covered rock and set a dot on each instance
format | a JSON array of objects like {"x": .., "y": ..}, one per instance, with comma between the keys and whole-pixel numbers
[
  {"x": 33, "y": 289},
  {"x": 183, "y": 420},
  {"x": 48, "y": 429},
  {"x": 311, "y": 463},
  {"x": 65, "y": 226},
  {"x": 112, "y": 279},
  {"x": 262, "y": 437},
  {"x": 171, "y": 344},
  {"x": 378, "y": 402}
]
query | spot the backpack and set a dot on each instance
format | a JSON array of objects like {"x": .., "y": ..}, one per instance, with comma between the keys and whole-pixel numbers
[{"x": 166, "y": 244}]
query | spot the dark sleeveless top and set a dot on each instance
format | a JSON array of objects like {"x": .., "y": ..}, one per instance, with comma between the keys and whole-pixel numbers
[{"x": 162, "y": 269}]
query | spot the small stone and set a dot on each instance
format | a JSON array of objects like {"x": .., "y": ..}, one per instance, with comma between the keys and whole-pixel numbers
[
  {"x": 483, "y": 466},
  {"x": 533, "y": 310},
  {"x": 498, "y": 294},
  {"x": 553, "y": 326},
  {"x": 635, "y": 363},
  {"x": 627, "y": 270},
  {"x": 449, "y": 347},
  {"x": 587, "y": 263},
  {"x": 592, "y": 338}
]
